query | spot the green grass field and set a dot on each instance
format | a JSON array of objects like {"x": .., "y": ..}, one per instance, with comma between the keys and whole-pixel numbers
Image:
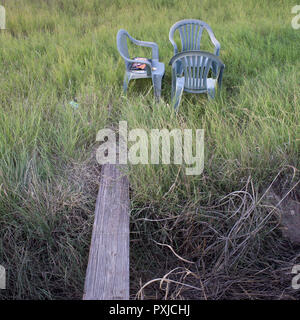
[{"x": 223, "y": 221}]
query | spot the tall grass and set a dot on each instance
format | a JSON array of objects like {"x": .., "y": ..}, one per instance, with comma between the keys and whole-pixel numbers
[{"x": 55, "y": 51}]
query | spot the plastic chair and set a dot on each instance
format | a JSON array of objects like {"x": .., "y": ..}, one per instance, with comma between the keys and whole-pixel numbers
[
  {"x": 194, "y": 74},
  {"x": 154, "y": 68}
]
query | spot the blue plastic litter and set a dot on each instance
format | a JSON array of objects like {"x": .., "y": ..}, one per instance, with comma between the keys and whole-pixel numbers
[{"x": 74, "y": 104}]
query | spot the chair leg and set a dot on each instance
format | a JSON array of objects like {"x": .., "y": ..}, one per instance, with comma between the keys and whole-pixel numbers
[
  {"x": 214, "y": 69},
  {"x": 173, "y": 91},
  {"x": 179, "y": 68},
  {"x": 178, "y": 92},
  {"x": 211, "y": 93},
  {"x": 156, "y": 80},
  {"x": 126, "y": 82}
]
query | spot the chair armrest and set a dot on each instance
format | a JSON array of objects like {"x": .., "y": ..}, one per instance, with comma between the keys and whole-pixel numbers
[
  {"x": 217, "y": 47},
  {"x": 171, "y": 36},
  {"x": 153, "y": 45},
  {"x": 174, "y": 45},
  {"x": 128, "y": 60},
  {"x": 216, "y": 43}
]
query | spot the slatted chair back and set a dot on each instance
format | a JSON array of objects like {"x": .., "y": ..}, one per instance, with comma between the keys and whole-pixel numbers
[
  {"x": 191, "y": 31},
  {"x": 196, "y": 66}
]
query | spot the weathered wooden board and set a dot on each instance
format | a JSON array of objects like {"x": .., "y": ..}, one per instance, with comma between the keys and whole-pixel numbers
[{"x": 107, "y": 276}]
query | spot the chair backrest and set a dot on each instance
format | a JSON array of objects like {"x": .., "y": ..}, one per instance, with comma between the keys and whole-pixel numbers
[
  {"x": 190, "y": 31},
  {"x": 122, "y": 37},
  {"x": 195, "y": 68}
]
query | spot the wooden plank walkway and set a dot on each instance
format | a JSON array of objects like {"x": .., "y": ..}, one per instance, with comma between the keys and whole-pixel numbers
[{"x": 107, "y": 275}]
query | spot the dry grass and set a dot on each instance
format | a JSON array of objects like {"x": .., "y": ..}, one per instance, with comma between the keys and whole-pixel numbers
[{"x": 233, "y": 249}]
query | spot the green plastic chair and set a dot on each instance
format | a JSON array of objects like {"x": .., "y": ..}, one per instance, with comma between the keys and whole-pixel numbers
[
  {"x": 194, "y": 73},
  {"x": 154, "y": 69},
  {"x": 191, "y": 31}
]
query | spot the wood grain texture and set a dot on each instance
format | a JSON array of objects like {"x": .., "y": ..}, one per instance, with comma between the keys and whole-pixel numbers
[{"x": 107, "y": 276}]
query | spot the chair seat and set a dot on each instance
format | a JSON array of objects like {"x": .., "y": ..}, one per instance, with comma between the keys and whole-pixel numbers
[
  {"x": 159, "y": 66},
  {"x": 137, "y": 74},
  {"x": 211, "y": 83},
  {"x": 158, "y": 69}
]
